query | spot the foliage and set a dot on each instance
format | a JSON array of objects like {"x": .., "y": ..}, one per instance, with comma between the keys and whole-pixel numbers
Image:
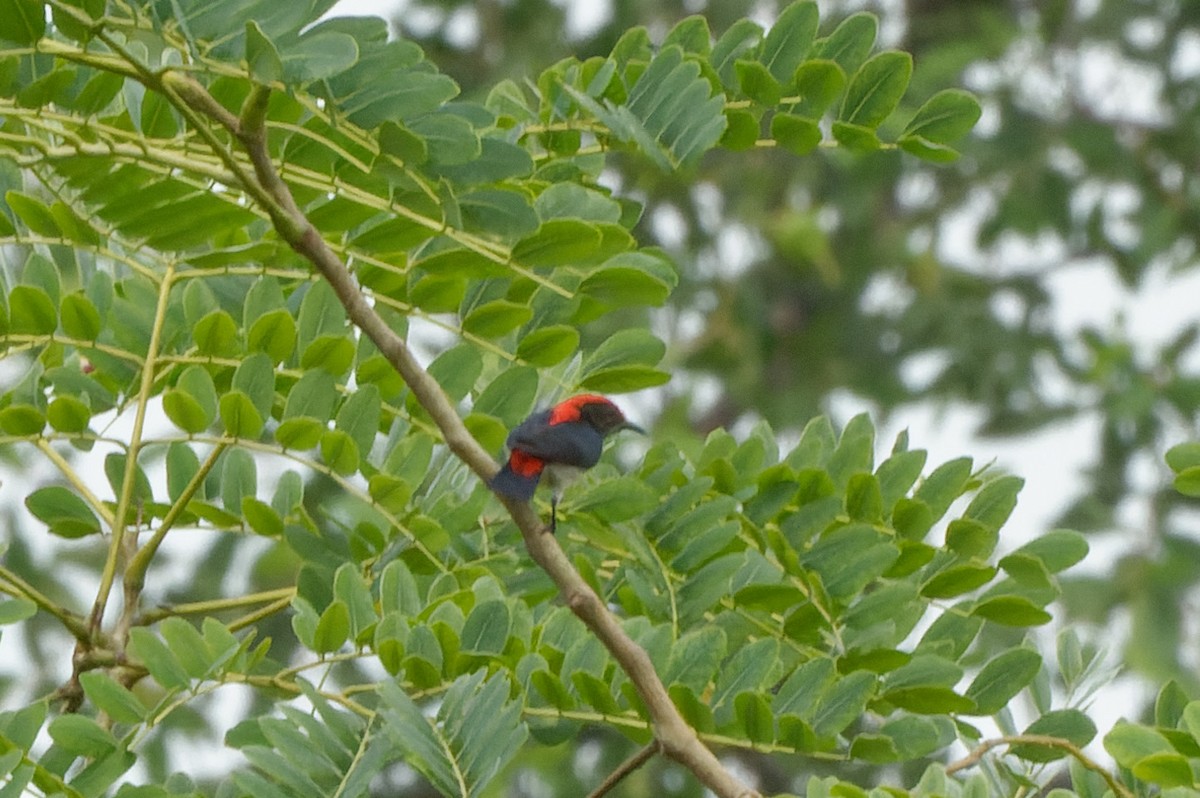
[{"x": 823, "y": 606}]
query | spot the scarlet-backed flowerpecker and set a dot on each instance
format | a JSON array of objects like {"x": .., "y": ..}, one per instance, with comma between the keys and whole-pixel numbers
[{"x": 558, "y": 443}]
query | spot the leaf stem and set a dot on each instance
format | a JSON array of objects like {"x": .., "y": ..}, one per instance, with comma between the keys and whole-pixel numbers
[
  {"x": 211, "y": 606},
  {"x": 108, "y": 576},
  {"x": 15, "y": 586}
]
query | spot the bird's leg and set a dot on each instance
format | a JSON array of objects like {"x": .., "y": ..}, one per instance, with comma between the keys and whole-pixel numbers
[{"x": 554, "y": 512}]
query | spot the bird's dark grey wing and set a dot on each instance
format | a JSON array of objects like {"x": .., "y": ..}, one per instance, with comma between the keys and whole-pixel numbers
[{"x": 572, "y": 443}]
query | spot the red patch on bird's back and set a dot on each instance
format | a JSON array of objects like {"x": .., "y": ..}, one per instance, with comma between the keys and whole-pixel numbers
[
  {"x": 525, "y": 464},
  {"x": 571, "y": 409}
]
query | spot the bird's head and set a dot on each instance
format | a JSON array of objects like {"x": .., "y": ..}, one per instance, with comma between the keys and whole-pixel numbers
[{"x": 595, "y": 411}]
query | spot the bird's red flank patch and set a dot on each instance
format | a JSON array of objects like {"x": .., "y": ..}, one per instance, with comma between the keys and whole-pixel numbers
[
  {"x": 525, "y": 464},
  {"x": 572, "y": 409}
]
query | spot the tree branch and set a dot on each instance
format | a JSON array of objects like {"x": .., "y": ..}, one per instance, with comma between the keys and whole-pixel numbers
[
  {"x": 639, "y": 758},
  {"x": 677, "y": 739}
]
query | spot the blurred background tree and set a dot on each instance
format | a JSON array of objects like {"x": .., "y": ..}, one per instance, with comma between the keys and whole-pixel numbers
[{"x": 893, "y": 283}]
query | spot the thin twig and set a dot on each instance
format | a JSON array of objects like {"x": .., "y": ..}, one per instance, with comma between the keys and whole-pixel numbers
[
  {"x": 980, "y": 751},
  {"x": 639, "y": 758}
]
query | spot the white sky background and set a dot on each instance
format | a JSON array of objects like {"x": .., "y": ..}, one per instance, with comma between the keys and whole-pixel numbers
[{"x": 1085, "y": 294}]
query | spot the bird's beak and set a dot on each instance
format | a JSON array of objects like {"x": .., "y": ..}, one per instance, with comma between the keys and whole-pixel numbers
[{"x": 632, "y": 427}]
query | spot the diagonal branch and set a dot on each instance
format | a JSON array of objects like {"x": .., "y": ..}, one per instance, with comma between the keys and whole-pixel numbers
[{"x": 677, "y": 739}]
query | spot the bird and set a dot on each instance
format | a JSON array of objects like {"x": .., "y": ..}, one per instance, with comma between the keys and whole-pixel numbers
[{"x": 558, "y": 443}]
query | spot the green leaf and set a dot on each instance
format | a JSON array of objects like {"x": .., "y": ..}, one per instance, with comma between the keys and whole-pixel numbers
[
  {"x": 301, "y": 432},
  {"x": 851, "y": 41},
  {"x": 789, "y": 39},
  {"x": 1002, "y": 678},
  {"x": 112, "y": 698},
  {"x": 147, "y": 648},
  {"x": 558, "y": 242},
  {"x": 625, "y": 286},
  {"x": 945, "y": 117},
  {"x": 1187, "y": 481},
  {"x": 239, "y": 478},
  {"x": 16, "y": 610},
  {"x": 548, "y": 345},
  {"x": 627, "y": 347},
  {"x": 1058, "y": 549},
  {"x": 748, "y": 669},
  {"x": 1129, "y": 743},
  {"x": 486, "y": 630},
  {"x": 691, "y": 34},
  {"x": 741, "y": 130},
  {"x": 273, "y": 333},
  {"x": 796, "y": 134},
  {"x": 1183, "y": 456},
  {"x": 333, "y": 628},
  {"x": 1166, "y": 769},
  {"x": 1068, "y": 724},
  {"x": 1011, "y": 611},
  {"x": 757, "y": 83},
  {"x": 261, "y": 517},
  {"x": 695, "y": 657},
  {"x": 359, "y": 417},
  {"x": 967, "y": 537},
  {"x": 753, "y": 715},
  {"x": 857, "y": 138},
  {"x": 351, "y": 589},
  {"x": 22, "y": 419},
  {"x": 182, "y": 466},
  {"x": 262, "y": 59},
  {"x": 339, "y": 451},
  {"x": 66, "y": 514},
  {"x": 239, "y": 415},
  {"x": 333, "y": 353},
  {"x": 192, "y": 403},
  {"x": 876, "y": 89},
  {"x": 864, "y": 502},
  {"x": 80, "y": 318},
  {"x": 313, "y": 396},
  {"x": 31, "y": 311},
  {"x": 216, "y": 334},
  {"x": 930, "y": 700},
  {"x": 450, "y": 139},
  {"x": 945, "y": 484},
  {"x": 36, "y": 216},
  {"x": 81, "y": 735},
  {"x": 318, "y": 55},
  {"x": 624, "y": 379},
  {"x": 957, "y": 580},
  {"x": 741, "y": 37},
  {"x": 114, "y": 470},
  {"x": 843, "y": 703},
  {"x": 496, "y": 318},
  {"x": 995, "y": 501},
  {"x": 927, "y": 150},
  {"x": 818, "y": 82},
  {"x": 25, "y": 21}
]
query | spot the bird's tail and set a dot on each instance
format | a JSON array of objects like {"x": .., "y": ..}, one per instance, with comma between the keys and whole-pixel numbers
[{"x": 516, "y": 483}]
